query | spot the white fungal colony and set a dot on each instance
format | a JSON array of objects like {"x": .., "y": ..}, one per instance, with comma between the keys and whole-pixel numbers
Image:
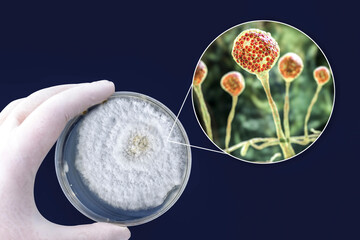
[{"x": 123, "y": 155}]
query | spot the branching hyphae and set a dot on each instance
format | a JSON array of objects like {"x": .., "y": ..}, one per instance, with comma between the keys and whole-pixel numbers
[
  {"x": 199, "y": 77},
  {"x": 123, "y": 155},
  {"x": 234, "y": 84}
]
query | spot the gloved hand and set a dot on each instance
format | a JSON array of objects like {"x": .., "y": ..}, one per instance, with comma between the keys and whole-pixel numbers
[{"x": 29, "y": 127}]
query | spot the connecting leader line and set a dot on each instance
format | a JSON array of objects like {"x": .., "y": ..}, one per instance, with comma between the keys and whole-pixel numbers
[{"x": 177, "y": 117}]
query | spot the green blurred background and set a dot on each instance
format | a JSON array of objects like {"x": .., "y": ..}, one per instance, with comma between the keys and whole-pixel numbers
[{"x": 253, "y": 116}]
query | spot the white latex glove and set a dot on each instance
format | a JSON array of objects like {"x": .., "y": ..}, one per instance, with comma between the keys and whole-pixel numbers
[{"x": 29, "y": 127}]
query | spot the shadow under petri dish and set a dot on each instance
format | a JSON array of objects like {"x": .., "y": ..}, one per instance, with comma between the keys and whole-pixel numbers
[{"x": 90, "y": 202}]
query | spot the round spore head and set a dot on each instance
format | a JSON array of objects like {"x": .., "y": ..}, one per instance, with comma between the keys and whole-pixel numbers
[
  {"x": 290, "y": 66},
  {"x": 233, "y": 83},
  {"x": 321, "y": 75},
  {"x": 255, "y": 51},
  {"x": 200, "y": 73}
]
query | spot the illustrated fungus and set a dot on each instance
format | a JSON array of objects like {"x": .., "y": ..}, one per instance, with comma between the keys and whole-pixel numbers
[
  {"x": 234, "y": 84},
  {"x": 290, "y": 67},
  {"x": 199, "y": 77},
  {"x": 200, "y": 73},
  {"x": 321, "y": 76},
  {"x": 257, "y": 52}
]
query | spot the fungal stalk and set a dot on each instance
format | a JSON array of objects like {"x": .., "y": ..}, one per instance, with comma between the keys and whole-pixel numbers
[
  {"x": 234, "y": 84},
  {"x": 199, "y": 77},
  {"x": 290, "y": 67},
  {"x": 321, "y": 76},
  {"x": 257, "y": 52}
]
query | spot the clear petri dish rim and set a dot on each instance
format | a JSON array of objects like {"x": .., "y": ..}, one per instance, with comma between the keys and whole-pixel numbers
[{"x": 71, "y": 196}]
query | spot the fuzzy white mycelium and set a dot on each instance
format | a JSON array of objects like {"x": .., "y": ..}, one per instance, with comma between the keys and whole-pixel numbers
[{"x": 123, "y": 155}]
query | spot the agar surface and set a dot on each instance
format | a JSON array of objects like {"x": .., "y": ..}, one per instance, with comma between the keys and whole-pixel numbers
[{"x": 123, "y": 155}]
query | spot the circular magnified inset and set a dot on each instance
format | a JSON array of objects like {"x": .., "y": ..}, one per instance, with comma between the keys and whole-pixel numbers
[
  {"x": 115, "y": 162},
  {"x": 263, "y": 91}
]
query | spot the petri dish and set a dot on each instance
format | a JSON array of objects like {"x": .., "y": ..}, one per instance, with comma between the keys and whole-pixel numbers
[{"x": 124, "y": 161}]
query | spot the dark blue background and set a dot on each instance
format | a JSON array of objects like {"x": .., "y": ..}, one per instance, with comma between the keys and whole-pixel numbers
[{"x": 153, "y": 48}]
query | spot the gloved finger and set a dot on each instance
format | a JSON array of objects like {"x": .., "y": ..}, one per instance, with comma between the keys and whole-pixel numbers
[
  {"x": 30, "y": 103},
  {"x": 95, "y": 231},
  {"x": 39, "y": 131},
  {"x": 8, "y": 109}
]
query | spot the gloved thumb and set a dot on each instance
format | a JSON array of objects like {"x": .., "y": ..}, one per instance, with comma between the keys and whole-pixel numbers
[{"x": 95, "y": 231}]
